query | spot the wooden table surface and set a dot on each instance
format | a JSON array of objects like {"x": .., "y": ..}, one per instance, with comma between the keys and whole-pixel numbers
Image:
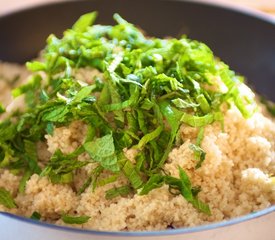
[{"x": 267, "y": 6}]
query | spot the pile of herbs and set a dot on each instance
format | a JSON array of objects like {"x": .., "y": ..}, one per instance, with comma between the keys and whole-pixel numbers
[{"x": 149, "y": 88}]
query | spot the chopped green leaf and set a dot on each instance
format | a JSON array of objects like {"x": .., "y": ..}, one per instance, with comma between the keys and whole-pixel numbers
[
  {"x": 35, "y": 216},
  {"x": 117, "y": 191},
  {"x": 60, "y": 167},
  {"x": 84, "y": 22},
  {"x": 50, "y": 128},
  {"x": 102, "y": 150},
  {"x": 23, "y": 181},
  {"x": 2, "y": 109},
  {"x": 105, "y": 181},
  {"x": 6, "y": 199},
  {"x": 155, "y": 181},
  {"x": 69, "y": 219},
  {"x": 199, "y": 154},
  {"x": 180, "y": 103},
  {"x": 196, "y": 121},
  {"x": 149, "y": 137},
  {"x": 83, "y": 93},
  {"x": 35, "y": 66},
  {"x": 183, "y": 185},
  {"x": 31, "y": 156},
  {"x": 130, "y": 172},
  {"x": 56, "y": 114},
  {"x": 201, "y": 206},
  {"x": 203, "y": 103}
]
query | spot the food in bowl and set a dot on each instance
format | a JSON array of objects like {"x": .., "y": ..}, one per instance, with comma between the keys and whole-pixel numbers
[{"x": 117, "y": 131}]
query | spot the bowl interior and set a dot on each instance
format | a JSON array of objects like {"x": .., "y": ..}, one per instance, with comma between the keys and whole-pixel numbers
[{"x": 243, "y": 40}]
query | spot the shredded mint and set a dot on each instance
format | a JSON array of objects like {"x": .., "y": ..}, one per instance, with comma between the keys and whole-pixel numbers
[
  {"x": 119, "y": 191},
  {"x": 180, "y": 103},
  {"x": 102, "y": 150},
  {"x": 6, "y": 198},
  {"x": 35, "y": 66},
  {"x": 199, "y": 154},
  {"x": 129, "y": 170},
  {"x": 84, "y": 22},
  {"x": 60, "y": 167},
  {"x": 35, "y": 216},
  {"x": 2, "y": 108},
  {"x": 69, "y": 219},
  {"x": 198, "y": 151},
  {"x": 155, "y": 181},
  {"x": 23, "y": 181},
  {"x": 181, "y": 185},
  {"x": 56, "y": 114}
]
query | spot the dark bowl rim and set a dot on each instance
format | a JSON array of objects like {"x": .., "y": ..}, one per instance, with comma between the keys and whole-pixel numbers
[{"x": 249, "y": 12}]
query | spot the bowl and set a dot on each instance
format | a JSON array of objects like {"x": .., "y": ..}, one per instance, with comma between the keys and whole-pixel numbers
[{"x": 244, "y": 39}]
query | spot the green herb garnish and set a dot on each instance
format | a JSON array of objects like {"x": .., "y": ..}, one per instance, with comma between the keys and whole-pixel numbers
[
  {"x": 177, "y": 186},
  {"x": 2, "y": 108},
  {"x": 102, "y": 150},
  {"x": 35, "y": 216},
  {"x": 6, "y": 198},
  {"x": 120, "y": 191},
  {"x": 74, "y": 219}
]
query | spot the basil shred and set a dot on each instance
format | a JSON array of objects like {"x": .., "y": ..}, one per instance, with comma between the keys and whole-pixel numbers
[{"x": 150, "y": 87}]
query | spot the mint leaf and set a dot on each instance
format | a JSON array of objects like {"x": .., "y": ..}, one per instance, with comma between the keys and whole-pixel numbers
[
  {"x": 35, "y": 216},
  {"x": 118, "y": 191},
  {"x": 198, "y": 121},
  {"x": 2, "y": 108},
  {"x": 180, "y": 103},
  {"x": 56, "y": 114},
  {"x": 155, "y": 181},
  {"x": 35, "y": 66},
  {"x": 84, "y": 22},
  {"x": 69, "y": 219},
  {"x": 130, "y": 171},
  {"x": 83, "y": 93},
  {"x": 31, "y": 156},
  {"x": 6, "y": 199},
  {"x": 199, "y": 154},
  {"x": 60, "y": 167},
  {"x": 149, "y": 137},
  {"x": 184, "y": 187},
  {"x": 102, "y": 150},
  {"x": 7, "y": 130},
  {"x": 23, "y": 181}
]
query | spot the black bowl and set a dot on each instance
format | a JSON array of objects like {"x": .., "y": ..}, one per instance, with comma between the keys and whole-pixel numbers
[{"x": 243, "y": 39}]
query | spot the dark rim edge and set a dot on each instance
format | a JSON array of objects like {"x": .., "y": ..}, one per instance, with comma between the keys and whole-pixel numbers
[
  {"x": 251, "y": 12},
  {"x": 245, "y": 10}
]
